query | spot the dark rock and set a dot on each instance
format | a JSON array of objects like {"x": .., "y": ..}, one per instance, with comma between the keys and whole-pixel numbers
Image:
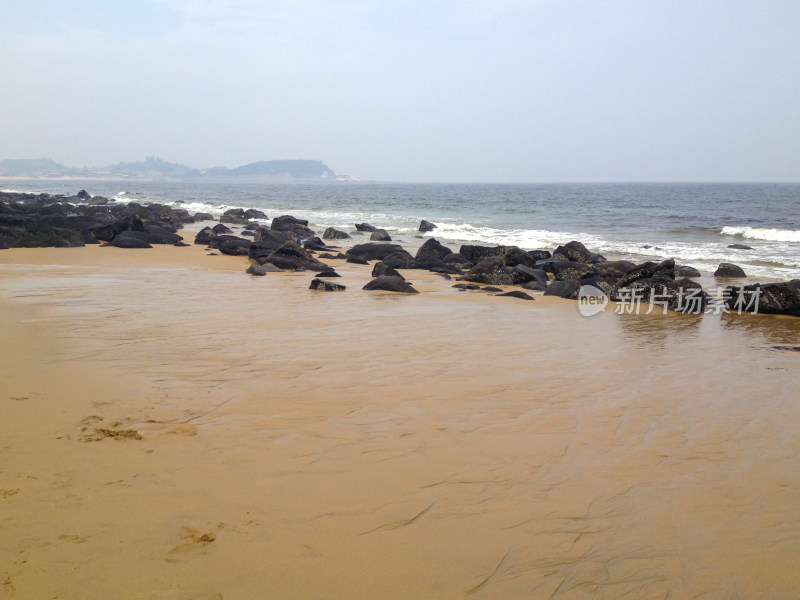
[
  {"x": 286, "y": 223},
  {"x": 686, "y": 271},
  {"x": 468, "y": 286},
  {"x": 256, "y": 270},
  {"x": 399, "y": 260},
  {"x": 444, "y": 276},
  {"x": 335, "y": 234},
  {"x": 365, "y": 227},
  {"x": 388, "y": 283},
  {"x": 648, "y": 270},
  {"x": 231, "y": 245},
  {"x": 326, "y": 286},
  {"x": 221, "y": 229},
  {"x": 425, "y": 226},
  {"x": 233, "y": 215},
  {"x": 254, "y": 213},
  {"x": 375, "y": 251},
  {"x": 327, "y": 274},
  {"x": 267, "y": 238},
  {"x": 84, "y": 195},
  {"x": 614, "y": 268},
  {"x": 740, "y": 247},
  {"x": 181, "y": 244},
  {"x": 203, "y": 216},
  {"x": 787, "y": 348},
  {"x": 128, "y": 240},
  {"x": 380, "y": 235},
  {"x": 564, "y": 289},
  {"x": 517, "y": 294},
  {"x": 432, "y": 249},
  {"x": 381, "y": 268},
  {"x": 454, "y": 258},
  {"x": 446, "y": 269},
  {"x": 252, "y": 226},
  {"x": 329, "y": 256},
  {"x": 536, "y": 286},
  {"x": 729, "y": 270},
  {"x": 291, "y": 256},
  {"x": 204, "y": 236},
  {"x": 682, "y": 295},
  {"x": 577, "y": 252},
  {"x": 247, "y": 233},
  {"x": 521, "y": 274},
  {"x": 490, "y": 270},
  {"x": 539, "y": 254},
  {"x": 357, "y": 260},
  {"x": 475, "y": 253},
  {"x": 315, "y": 243},
  {"x": 768, "y": 298},
  {"x": 564, "y": 270},
  {"x": 491, "y": 288}
]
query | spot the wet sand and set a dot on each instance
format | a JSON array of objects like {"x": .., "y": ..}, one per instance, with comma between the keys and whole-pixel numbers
[{"x": 299, "y": 444}]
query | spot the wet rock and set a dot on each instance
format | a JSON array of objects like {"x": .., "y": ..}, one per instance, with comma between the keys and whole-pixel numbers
[
  {"x": 648, "y": 270},
  {"x": 399, "y": 260},
  {"x": 365, "y": 227},
  {"x": 521, "y": 274},
  {"x": 577, "y": 252},
  {"x": 432, "y": 249},
  {"x": 334, "y": 234},
  {"x": 375, "y": 251},
  {"x": 357, "y": 260},
  {"x": 729, "y": 270},
  {"x": 490, "y": 270},
  {"x": 687, "y": 271},
  {"x": 247, "y": 233},
  {"x": 491, "y": 288},
  {"x": 329, "y": 256},
  {"x": 291, "y": 256},
  {"x": 288, "y": 223},
  {"x": 539, "y": 255},
  {"x": 425, "y": 226},
  {"x": 231, "y": 245},
  {"x": 614, "y": 268},
  {"x": 566, "y": 269},
  {"x": 740, "y": 247},
  {"x": 252, "y": 226},
  {"x": 454, "y": 258},
  {"x": 387, "y": 283},
  {"x": 568, "y": 289},
  {"x": 127, "y": 239},
  {"x": 327, "y": 274},
  {"x": 535, "y": 286},
  {"x": 220, "y": 229},
  {"x": 234, "y": 216},
  {"x": 682, "y": 295},
  {"x": 768, "y": 298},
  {"x": 257, "y": 270},
  {"x": 381, "y": 268},
  {"x": 203, "y": 216},
  {"x": 254, "y": 213},
  {"x": 326, "y": 286},
  {"x": 516, "y": 294},
  {"x": 468, "y": 286},
  {"x": 380, "y": 235},
  {"x": 315, "y": 243}
]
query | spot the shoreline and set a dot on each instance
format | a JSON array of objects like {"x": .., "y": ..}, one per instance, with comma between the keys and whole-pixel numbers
[{"x": 175, "y": 428}]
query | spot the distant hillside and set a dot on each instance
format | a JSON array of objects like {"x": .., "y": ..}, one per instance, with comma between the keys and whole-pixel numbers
[
  {"x": 154, "y": 167},
  {"x": 294, "y": 169},
  {"x": 32, "y": 167}
]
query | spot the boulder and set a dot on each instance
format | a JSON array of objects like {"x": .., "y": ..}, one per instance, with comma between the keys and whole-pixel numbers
[
  {"x": 654, "y": 293},
  {"x": 381, "y": 268},
  {"x": 365, "y": 227},
  {"x": 326, "y": 286},
  {"x": 203, "y": 216},
  {"x": 539, "y": 254},
  {"x": 425, "y": 226},
  {"x": 399, "y": 260},
  {"x": 649, "y": 270},
  {"x": 315, "y": 243},
  {"x": 380, "y": 235},
  {"x": 740, "y": 247},
  {"x": 387, "y": 283},
  {"x": 533, "y": 285},
  {"x": 432, "y": 249},
  {"x": 334, "y": 234},
  {"x": 231, "y": 245},
  {"x": 234, "y": 216},
  {"x": 329, "y": 273},
  {"x": 256, "y": 270},
  {"x": 686, "y": 271},
  {"x": 254, "y": 213},
  {"x": 729, "y": 270},
  {"x": 127, "y": 239},
  {"x": 375, "y": 251},
  {"x": 221, "y": 229},
  {"x": 288, "y": 223},
  {"x": 356, "y": 260},
  {"x": 769, "y": 298},
  {"x": 490, "y": 270},
  {"x": 291, "y": 256},
  {"x": 568, "y": 288},
  {"x": 517, "y": 294},
  {"x": 577, "y": 252},
  {"x": 566, "y": 269},
  {"x": 521, "y": 274}
]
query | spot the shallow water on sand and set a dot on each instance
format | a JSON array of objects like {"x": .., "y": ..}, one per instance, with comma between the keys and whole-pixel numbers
[{"x": 366, "y": 445}]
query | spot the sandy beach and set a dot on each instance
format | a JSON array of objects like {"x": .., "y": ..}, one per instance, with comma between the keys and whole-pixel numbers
[{"x": 173, "y": 428}]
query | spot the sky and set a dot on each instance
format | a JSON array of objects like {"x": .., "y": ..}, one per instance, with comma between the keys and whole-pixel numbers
[{"x": 412, "y": 91}]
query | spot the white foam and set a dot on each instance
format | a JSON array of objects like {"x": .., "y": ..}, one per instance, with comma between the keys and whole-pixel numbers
[{"x": 761, "y": 233}]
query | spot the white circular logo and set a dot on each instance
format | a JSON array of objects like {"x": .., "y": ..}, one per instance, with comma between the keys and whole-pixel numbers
[{"x": 591, "y": 300}]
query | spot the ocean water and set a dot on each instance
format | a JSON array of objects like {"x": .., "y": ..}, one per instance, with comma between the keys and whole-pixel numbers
[{"x": 693, "y": 223}]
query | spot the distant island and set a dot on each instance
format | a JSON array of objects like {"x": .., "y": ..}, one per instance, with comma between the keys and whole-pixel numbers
[{"x": 157, "y": 168}]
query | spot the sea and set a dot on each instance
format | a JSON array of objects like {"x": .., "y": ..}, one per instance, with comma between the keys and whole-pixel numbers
[{"x": 693, "y": 223}]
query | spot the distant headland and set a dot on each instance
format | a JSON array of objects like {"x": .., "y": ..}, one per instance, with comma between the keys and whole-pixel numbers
[{"x": 157, "y": 168}]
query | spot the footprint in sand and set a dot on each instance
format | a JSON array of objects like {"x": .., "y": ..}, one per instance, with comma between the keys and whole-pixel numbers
[
  {"x": 73, "y": 539},
  {"x": 192, "y": 541},
  {"x": 9, "y": 586}
]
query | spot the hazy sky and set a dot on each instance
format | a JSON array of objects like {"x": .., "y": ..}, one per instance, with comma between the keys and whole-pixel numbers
[{"x": 502, "y": 90}]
